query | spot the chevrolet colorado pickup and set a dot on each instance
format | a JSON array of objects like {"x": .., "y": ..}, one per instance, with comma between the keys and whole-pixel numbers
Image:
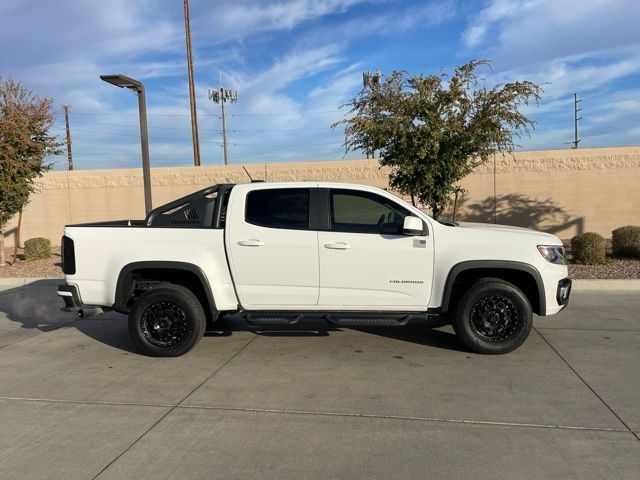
[{"x": 280, "y": 253}]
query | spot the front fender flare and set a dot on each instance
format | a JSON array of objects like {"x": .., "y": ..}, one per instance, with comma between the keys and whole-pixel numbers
[{"x": 458, "y": 268}]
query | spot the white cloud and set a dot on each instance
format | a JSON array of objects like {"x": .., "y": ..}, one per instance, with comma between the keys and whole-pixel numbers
[
  {"x": 243, "y": 18},
  {"x": 496, "y": 11},
  {"x": 589, "y": 47},
  {"x": 531, "y": 31},
  {"x": 562, "y": 77}
]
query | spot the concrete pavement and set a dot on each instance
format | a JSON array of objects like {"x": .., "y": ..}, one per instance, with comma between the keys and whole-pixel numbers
[{"x": 78, "y": 402}]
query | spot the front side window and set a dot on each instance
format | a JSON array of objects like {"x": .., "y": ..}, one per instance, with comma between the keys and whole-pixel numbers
[
  {"x": 279, "y": 208},
  {"x": 364, "y": 212}
]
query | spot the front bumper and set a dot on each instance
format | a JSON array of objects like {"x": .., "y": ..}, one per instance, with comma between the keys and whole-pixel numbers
[{"x": 71, "y": 297}]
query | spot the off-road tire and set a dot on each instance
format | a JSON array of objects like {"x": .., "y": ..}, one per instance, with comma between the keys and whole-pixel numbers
[
  {"x": 167, "y": 321},
  {"x": 493, "y": 317}
]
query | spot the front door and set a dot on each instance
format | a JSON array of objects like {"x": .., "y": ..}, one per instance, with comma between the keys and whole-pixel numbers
[
  {"x": 365, "y": 259},
  {"x": 273, "y": 251}
]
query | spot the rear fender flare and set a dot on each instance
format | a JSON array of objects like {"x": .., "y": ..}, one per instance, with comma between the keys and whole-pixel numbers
[{"x": 122, "y": 285}]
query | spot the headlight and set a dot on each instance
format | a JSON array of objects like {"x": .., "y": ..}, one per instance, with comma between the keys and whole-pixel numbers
[{"x": 552, "y": 253}]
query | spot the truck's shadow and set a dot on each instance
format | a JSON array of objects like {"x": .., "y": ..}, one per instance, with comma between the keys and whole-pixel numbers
[
  {"x": 316, "y": 328},
  {"x": 36, "y": 306}
]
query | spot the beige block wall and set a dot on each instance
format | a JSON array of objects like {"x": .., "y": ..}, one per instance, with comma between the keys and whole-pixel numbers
[{"x": 562, "y": 191}]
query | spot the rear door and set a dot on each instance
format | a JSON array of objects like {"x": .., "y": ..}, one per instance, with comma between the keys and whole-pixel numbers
[
  {"x": 273, "y": 246},
  {"x": 365, "y": 260}
]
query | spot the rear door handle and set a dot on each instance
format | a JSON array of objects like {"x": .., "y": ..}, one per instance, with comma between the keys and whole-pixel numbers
[
  {"x": 338, "y": 246},
  {"x": 254, "y": 242}
]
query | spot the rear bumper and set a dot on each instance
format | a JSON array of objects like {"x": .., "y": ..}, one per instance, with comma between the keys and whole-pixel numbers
[{"x": 71, "y": 297}]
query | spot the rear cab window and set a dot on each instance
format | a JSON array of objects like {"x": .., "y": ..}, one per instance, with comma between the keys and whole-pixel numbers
[{"x": 286, "y": 208}]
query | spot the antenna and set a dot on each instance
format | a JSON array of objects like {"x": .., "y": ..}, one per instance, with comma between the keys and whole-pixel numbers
[
  {"x": 222, "y": 95},
  {"x": 248, "y": 174}
]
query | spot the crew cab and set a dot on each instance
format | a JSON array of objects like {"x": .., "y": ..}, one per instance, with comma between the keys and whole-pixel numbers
[{"x": 283, "y": 253}]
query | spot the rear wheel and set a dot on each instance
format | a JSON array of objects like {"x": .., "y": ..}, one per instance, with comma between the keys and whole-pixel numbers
[
  {"x": 493, "y": 317},
  {"x": 167, "y": 321}
]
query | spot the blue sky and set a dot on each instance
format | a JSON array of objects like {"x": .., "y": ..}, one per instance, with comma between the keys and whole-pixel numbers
[{"x": 295, "y": 62}]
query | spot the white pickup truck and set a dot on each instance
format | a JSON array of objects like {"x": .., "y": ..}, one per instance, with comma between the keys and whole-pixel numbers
[{"x": 280, "y": 253}]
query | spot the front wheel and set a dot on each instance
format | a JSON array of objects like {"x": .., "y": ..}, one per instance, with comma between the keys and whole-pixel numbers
[
  {"x": 493, "y": 317},
  {"x": 167, "y": 321}
]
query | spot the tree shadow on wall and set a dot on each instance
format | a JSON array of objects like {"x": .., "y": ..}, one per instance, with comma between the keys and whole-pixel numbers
[{"x": 521, "y": 211}]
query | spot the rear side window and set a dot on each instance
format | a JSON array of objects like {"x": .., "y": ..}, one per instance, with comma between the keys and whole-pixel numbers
[
  {"x": 364, "y": 212},
  {"x": 279, "y": 208}
]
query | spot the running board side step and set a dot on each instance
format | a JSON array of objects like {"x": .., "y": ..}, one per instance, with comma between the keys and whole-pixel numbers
[
  {"x": 362, "y": 320},
  {"x": 273, "y": 319},
  {"x": 339, "y": 319}
]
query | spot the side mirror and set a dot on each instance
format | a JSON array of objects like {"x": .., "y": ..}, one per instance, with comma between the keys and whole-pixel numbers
[{"x": 412, "y": 226}]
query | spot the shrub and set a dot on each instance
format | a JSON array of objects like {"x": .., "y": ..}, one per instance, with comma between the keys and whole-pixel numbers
[
  {"x": 588, "y": 249},
  {"x": 626, "y": 241},
  {"x": 36, "y": 248}
]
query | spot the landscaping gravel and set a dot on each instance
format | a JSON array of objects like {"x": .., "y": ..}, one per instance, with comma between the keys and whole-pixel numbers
[
  {"x": 614, "y": 269},
  {"x": 45, "y": 268}
]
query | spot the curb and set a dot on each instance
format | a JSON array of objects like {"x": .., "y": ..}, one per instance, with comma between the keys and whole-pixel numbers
[
  {"x": 606, "y": 285},
  {"x": 14, "y": 282},
  {"x": 11, "y": 282}
]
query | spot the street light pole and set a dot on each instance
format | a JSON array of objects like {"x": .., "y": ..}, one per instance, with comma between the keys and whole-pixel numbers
[{"x": 123, "y": 81}]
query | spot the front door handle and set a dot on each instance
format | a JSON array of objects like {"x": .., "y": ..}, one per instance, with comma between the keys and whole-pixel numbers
[
  {"x": 254, "y": 242},
  {"x": 338, "y": 246}
]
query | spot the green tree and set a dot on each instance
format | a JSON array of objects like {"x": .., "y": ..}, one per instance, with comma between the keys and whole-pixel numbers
[
  {"x": 433, "y": 130},
  {"x": 25, "y": 121}
]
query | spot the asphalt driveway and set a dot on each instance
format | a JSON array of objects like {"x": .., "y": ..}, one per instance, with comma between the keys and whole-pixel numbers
[{"x": 78, "y": 402}]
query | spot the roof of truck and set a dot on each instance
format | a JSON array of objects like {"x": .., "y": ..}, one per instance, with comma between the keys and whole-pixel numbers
[{"x": 307, "y": 184}]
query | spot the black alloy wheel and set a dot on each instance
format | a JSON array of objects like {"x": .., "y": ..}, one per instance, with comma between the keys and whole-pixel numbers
[
  {"x": 165, "y": 324},
  {"x": 494, "y": 318}
]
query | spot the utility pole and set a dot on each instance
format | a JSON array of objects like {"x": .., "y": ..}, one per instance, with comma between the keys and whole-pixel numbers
[
  {"x": 66, "y": 121},
  {"x": 576, "y": 101},
  {"x": 192, "y": 94},
  {"x": 222, "y": 95}
]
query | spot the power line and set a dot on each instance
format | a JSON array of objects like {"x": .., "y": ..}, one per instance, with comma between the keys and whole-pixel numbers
[
  {"x": 311, "y": 112},
  {"x": 122, "y": 134},
  {"x": 252, "y": 130},
  {"x": 302, "y": 112},
  {"x": 120, "y": 114},
  {"x": 119, "y": 134},
  {"x": 279, "y": 144}
]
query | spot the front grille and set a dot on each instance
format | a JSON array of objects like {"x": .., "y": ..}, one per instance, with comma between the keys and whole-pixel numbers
[{"x": 68, "y": 255}]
